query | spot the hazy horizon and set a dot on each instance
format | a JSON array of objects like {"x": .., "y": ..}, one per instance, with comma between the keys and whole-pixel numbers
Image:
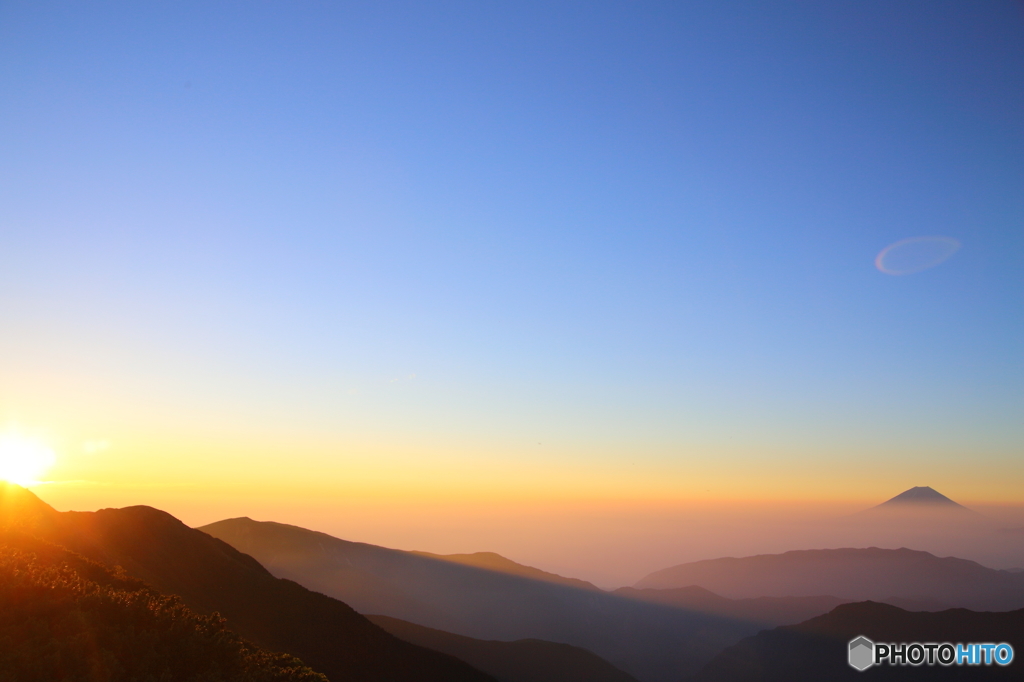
[{"x": 610, "y": 545}]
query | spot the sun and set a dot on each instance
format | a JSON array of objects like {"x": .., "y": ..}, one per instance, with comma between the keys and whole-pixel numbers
[{"x": 23, "y": 460}]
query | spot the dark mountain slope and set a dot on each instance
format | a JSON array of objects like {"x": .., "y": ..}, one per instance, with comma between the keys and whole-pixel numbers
[
  {"x": 650, "y": 641},
  {"x": 817, "y": 649},
  {"x": 64, "y": 617},
  {"x": 525, "y": 660},
  {"x": 210, "y": 575},
  {"x": 851, "y": 574}
]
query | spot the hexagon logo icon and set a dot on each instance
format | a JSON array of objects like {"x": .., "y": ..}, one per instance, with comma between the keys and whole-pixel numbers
[{"x": 862, "y": 653}]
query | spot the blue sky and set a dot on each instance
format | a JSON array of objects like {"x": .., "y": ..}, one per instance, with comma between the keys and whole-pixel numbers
[{"x": 628, "y": 230}]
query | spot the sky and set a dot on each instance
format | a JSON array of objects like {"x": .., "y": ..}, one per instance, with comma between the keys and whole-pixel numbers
[{"x": 437, "y": 262}]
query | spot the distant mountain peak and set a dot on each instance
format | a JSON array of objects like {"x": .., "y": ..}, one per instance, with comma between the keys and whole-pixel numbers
[{"x": 920, "y": 495}]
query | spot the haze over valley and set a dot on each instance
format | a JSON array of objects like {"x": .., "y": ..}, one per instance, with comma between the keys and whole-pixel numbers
[{"x": 470, "y": 616}]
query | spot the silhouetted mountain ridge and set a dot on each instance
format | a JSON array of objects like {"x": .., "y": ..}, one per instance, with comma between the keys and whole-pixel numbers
[
  {"x": 210, "y": 575},
  {"x": 851, "y": 574}
]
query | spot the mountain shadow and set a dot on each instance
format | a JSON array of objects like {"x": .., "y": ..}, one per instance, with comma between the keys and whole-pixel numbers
[
  {"x": 491, "y": 561},
  {"x": 817, "y": 649},
  {"x": 767, "y": 611},
  {"x": 852, "y": 575},
  {"x": 653, "y": 642},
  {"x": 211, "y": 576},
  {"x": 525, "y": 660}
]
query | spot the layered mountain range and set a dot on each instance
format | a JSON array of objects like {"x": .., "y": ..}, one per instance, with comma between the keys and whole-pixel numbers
[
  {"x": 490, "y": 599},
  {"x": 662, "y": 627},
  {"x": 355, "y": 611}
]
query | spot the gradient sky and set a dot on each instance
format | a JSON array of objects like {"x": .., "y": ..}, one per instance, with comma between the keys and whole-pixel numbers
[{"x": 311, "y": 253}]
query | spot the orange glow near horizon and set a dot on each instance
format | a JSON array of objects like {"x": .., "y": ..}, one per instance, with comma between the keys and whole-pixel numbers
[
  {"x": 600, "y": 516},
  {"x": 296, "y": 468}
]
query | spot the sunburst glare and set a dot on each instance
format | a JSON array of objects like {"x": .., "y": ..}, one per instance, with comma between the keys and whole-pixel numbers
[{"x": 23, "y": 460}]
